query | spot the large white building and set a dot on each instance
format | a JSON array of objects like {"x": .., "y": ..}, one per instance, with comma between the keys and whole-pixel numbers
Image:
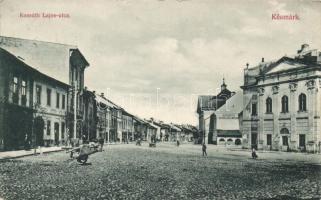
[{"x": 282, "y": 103}]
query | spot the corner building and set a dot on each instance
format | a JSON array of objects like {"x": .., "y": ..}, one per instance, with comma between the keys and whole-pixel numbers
[{"x": 281, "y": 102}]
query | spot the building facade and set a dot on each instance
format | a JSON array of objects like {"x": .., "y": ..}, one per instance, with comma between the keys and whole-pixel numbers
[
  {"x": 42, "y": 70},
  {"x": 206, "y": 106},
  {"x": 228, "y": 121},
  {"x": 89, "y": 115},
  {"x": 16, "y": 103},
  {"x": 127, "y": 127},
  {"x": 282, "y": 103},
  {"x": 50, "y": 107},
  {"x": 37, "y": 102}
]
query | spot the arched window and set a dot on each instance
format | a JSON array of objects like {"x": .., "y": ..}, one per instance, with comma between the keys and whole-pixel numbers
[
  {"x": 302, "y": 102},
  {"x": 285, "y": 104},
  {"x": 268, "y": 105},
  {"x": 284, "y": 131},
  {"x": 237, "y": 142}
]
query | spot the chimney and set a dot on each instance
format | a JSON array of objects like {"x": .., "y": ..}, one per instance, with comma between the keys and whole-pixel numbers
[
  {"x": 304, "y": 48},
  {"x": 263, "y": 60},
  {"x": 85, "y": 88},
  {"x": 94, "y": 91},
  {"x": 102, "y": 94},
  {"x": 247, "y": 65}
]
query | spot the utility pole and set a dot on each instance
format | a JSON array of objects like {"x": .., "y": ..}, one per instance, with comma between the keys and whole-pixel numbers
[
  {"x": 75, "y": 109},
  {"x": 204, "y": 136}
]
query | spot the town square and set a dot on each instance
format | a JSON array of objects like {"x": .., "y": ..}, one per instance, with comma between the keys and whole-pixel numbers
[
  {"x": 127, "y": 171},
  {"x": 160, "y": 99}
]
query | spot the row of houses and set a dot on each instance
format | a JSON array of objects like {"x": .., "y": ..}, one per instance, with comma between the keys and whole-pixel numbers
[
  {"x": 44, "y": 101},
  {"x": 278, "y": 108},
  {"x": 105, "y": 119}
]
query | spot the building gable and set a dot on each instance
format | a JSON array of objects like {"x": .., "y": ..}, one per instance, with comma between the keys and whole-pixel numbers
[{"x": 284, "y": 64}]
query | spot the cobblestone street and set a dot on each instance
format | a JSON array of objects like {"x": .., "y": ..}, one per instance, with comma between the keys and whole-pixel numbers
[{"x": 164, "y": 172}]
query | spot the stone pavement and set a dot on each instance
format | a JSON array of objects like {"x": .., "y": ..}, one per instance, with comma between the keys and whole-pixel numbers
[{"x": 21, "y": 153}]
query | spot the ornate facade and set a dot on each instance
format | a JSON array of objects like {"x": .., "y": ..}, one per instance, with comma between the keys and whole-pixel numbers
[{"x": 282, "y": 103}]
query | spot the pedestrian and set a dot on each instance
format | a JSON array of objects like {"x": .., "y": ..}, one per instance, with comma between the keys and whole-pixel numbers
[
  {"x": 84, "y": 139},
  {"x": 204, "y": 149},
  {"x": 254, "y": 155},
  {"x": 101, "y": 142},
  {"x": 177, "y": 142}
]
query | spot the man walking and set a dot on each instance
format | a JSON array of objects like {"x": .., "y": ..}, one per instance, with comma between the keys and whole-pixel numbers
[
  {"x": 101, "y": 142},
  {"x": 204, "y": 150}
]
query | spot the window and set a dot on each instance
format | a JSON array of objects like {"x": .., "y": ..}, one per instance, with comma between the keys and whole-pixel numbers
[
  {"x": 48, "y": 127},
  {"x": 301, "y": 140},
  {"x": 268, "y": 139},
  {"x": 15, "y": 84},
  {"x": 23, "y": 92},
  {"x": 63, "y": 102},
  {"x": 62, "y": 130},
  {"x": 15, "y": 95},
  {"x": 48, "y": 97},
  {"x": 268, "y": 105},
  {"x": 254, "y": 109},
  {"x": 58, "y": 100},
  {"x": 285, "y": 104},
  {"x": 38, "y": 94},
  {"x": 302, "y": 102},
  {"x": 23, "y": 88}
]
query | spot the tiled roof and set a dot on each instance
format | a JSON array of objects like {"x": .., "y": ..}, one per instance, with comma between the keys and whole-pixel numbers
[
  {"x": 209, "y": 102},
  {"x": 51, "y": 59}
]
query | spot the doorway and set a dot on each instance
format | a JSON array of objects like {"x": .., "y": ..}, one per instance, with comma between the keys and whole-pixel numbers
[
  {"x": 39, "y": 126},
  {"x": 254, "y": 140},
  {"x": 302, "y": 141},
  {"x": 285, "y": 141},
  {"x": 56, "y": 133}
]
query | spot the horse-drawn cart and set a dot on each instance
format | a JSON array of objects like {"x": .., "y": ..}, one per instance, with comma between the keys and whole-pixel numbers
[{"x": 83, "y": 152}]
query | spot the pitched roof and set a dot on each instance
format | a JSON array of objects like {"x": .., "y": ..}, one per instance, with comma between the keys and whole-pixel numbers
[
  {"x": 140, "y": 120},
  {"x": 232, "y": 107},
  {"x": 209, "y": 102},
  {"x": 303, "y": 59},
  {"x": 153, "y": 125},
  {"x": 51, "y": 59},
  {"x": 105, "y": 101},
  {"x": 175, "y": 128}
]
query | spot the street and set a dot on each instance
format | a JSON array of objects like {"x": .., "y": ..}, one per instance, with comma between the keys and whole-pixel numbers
[{"x": 126, "y": 171}]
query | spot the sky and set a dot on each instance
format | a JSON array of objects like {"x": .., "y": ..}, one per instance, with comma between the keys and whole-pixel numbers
[{"x": 154, "y": 57}]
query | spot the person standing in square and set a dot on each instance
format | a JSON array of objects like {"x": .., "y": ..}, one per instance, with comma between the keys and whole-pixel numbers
[{"x": 204, "y": 149}]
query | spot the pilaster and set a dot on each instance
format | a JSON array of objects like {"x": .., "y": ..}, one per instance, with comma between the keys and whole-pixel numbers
[
  {"x": 276, "y": 111},
  {"x": 260, "y": 110},
  {"x": 293, "y": 112}
]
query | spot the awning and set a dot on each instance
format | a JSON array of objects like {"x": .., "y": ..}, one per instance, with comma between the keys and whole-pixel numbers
[{"x": 229, "y": 133}]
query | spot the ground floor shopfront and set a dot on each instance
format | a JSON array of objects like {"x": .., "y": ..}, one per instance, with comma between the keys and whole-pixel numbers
[
  {"x": 301, "y": 135},
  {"x": 15, "y": 127}
]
